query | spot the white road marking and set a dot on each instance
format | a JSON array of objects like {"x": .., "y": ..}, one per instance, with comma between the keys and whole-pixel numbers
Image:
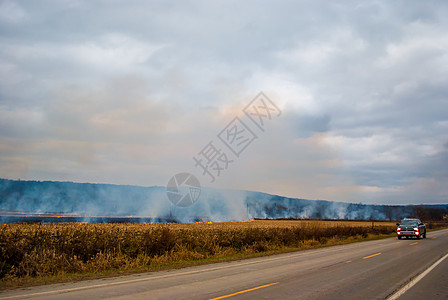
[{"x": 414, "y": 281}]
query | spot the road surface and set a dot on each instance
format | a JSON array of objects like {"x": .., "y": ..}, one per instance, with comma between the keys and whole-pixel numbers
[{"x": 367, "y": 270}]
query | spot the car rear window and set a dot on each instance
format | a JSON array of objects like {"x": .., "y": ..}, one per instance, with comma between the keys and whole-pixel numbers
[{"x": 409, "y": 222}]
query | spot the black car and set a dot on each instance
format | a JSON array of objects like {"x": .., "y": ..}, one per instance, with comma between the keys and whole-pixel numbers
[{"x": 411, "y": 228}]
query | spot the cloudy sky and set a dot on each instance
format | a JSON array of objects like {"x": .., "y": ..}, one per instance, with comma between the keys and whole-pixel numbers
[{"x": 128, "y": 92}]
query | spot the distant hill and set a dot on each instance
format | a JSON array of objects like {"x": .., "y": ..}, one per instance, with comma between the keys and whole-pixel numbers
[{"x": 213, "y": 205}]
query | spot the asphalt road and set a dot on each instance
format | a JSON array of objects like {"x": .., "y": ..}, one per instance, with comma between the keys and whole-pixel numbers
[
  {"x": 367, "y": 270},
  {"x": 433, "y": 286}
]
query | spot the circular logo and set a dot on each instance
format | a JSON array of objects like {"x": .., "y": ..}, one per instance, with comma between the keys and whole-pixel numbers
[{"x": 183, "y": 189}]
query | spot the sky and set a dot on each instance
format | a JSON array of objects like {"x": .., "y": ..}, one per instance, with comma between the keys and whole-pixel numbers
[{"x": 130, "y": 92}]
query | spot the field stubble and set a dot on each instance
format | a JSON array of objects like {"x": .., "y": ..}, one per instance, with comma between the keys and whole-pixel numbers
[{"x": 30, "y": 251}]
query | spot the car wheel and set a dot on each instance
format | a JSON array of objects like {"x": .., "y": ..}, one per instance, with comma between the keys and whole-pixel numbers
[
  {"x": 399, "y": 237},
  {"x": 424, "y": 236},
  {"x": 418, "y": 237}
]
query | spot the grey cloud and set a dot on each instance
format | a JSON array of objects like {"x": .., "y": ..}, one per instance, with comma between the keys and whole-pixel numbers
[{"x": 109, "y": 92}]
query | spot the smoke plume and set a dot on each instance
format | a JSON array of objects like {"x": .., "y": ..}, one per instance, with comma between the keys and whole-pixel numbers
[{"x": 150, "y": 203}]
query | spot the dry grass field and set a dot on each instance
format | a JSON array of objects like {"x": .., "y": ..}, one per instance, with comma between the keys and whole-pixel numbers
[{"x": 30, "y": 251}]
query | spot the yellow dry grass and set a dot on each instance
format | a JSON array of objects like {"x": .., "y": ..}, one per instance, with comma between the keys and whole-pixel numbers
[{"x": 37, "y": 250}]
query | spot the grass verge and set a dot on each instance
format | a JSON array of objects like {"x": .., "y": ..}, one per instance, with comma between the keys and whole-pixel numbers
[{"x": 35, "y": 254}]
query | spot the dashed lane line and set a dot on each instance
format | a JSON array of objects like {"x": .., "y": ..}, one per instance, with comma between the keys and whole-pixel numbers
[
  {"x": 365, "y": 257},
  {"x": 245, "y": 291}
]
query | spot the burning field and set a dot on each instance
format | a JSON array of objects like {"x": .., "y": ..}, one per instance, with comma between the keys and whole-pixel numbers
[
  {"x": 17, "y": 217},
  {"x": 62, "y": 230},
  {"x": 55, "y": 250},
  {"x": 35, "y": 201}
]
